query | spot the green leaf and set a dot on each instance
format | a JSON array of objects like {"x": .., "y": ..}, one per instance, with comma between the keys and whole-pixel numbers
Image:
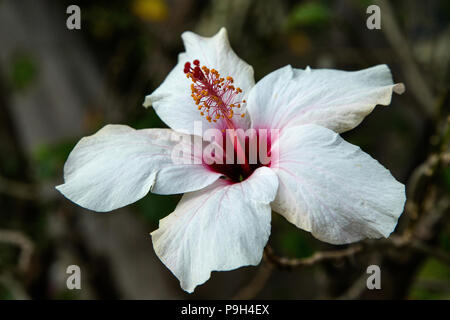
[
  {"x": 23, "y": 71},
  {"x": 310, "y": 14}
]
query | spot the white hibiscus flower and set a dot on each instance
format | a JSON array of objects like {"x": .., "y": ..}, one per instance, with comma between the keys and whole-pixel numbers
[{"x": 317, "y": 181}]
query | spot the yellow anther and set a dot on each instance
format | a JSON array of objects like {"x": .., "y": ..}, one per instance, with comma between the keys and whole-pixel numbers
[
  {"x": 242, "y": 115},
  {"x": 213, "y": 95}
]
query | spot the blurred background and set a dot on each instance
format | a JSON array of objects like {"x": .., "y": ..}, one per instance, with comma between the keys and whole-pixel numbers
[{"x": 58, "y": 85}]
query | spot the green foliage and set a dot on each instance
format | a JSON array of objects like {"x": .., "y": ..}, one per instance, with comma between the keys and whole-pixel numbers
[
  {"x": 8, "y": 256},
  {"x": 435, "y": 270},
  {"x": 422, "y": 294},
  {"x": 432, "y": 270},
  {"x": 67, "y": 294},
  {"x": 295, "y": 244},
  {"x": 5, "y": 293},
  {"x": 309, "y": 14},
  {"x": 23, "y": 71},
  {"x": 48, "y": 160},
  {"x": 154, "y": 207},
  {"x": 445, "y": 242},
  {"x": 146, "y": 118},
  {"x": 103, "y": 21},
  {"x": 446, "y": 177},
  {"x": 365, "y": 3}
]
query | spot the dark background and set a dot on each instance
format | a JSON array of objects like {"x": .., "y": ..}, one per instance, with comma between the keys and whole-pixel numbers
[{"x": 58, "y": 85}]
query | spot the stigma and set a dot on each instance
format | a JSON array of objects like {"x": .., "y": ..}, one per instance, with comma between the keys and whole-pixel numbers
[{"x": 215, "y": 96}]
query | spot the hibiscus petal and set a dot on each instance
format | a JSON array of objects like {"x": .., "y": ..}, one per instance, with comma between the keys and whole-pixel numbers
[
  {"x": 119, "y": 165},
  {"x": 172, "y": 100},
  {"x": 333, "y": 189},
  {"x": 337, "y": 100},
  {"x": 222, "y": 227}
]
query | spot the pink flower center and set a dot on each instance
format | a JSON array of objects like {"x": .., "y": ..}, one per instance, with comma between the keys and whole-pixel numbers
[
  {"x": 216, "y": 98},
  {"x": 237, "y": 172}
]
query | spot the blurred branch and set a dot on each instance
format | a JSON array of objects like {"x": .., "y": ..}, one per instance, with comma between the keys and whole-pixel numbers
[
  {"x": 230, "y": 14},
  {"x": 317, "y": 257},
  {"x": 396, "y": 242},
  {"x": 417, "y": 85},
  {"x": 17, "y": 189},
  {"x": 417, "y": 183},
  {"x": 436, "y": 253},
  {"x": 14, "y": 286},
  {"x": 256, "y": 284},
  {"x": 271, "y": 261},
  {"x": 355, "y": 290},
  {"x": 406, "y": 241},
  {"x": 23, "y": 242}
]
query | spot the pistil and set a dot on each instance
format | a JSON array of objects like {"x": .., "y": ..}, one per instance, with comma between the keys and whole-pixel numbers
[
  {"x": 215, "y": 98},
  {"x": 214, "y": 95}
]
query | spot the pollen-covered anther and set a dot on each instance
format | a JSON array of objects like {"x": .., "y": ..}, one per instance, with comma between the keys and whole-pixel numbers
[{"x": 215, "y": 96}]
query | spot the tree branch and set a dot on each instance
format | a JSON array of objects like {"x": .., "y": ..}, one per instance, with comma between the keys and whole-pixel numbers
[
  {"x": 17, "y": 189},
  {"x": 317, "y": 257},
  {"x": 23, "y": 242},
  {"x": 256, "y": 284}
]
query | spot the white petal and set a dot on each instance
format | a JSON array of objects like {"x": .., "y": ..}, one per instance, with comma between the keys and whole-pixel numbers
[
  {"x": 333, "y": 189},
  {"x": 338, "y": 100},
  {"x": 119, "y": 165},
  {"x": 172, "y": 101},
  {"x": 222, "y": 227}
]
